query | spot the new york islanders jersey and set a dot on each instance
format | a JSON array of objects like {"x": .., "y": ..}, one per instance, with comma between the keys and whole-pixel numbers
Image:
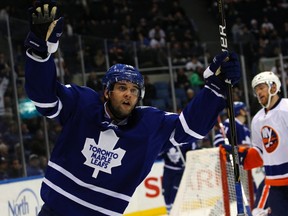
[
  {"x": 270, "y": 147},
  {"x": 96, "y": 165}
]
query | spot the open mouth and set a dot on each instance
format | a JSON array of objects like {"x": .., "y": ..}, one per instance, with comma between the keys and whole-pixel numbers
[{"x": 126, "y": 103}]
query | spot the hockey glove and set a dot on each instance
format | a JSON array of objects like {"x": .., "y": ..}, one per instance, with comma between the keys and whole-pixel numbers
[
  {"x": 231, "y": 69},
  {"x": 242, "y": 152},
  {"x": 228, "y": 148},
  {"x": 230, "y": 72},
  {"x": 45, "y": 30}
]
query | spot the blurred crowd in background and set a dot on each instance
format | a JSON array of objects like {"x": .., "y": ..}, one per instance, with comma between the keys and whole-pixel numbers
[{"x": 157, "y": 36}]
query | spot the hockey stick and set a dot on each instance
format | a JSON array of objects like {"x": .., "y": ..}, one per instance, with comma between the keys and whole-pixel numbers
[
  {"x": 181, "y": 155},
  {"x": 222, "y": 129},
  {"x": 230, "y": 109},
  {"x": 226, "y": 142}
]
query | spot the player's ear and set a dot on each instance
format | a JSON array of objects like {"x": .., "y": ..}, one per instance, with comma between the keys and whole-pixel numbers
[
  {"x": 273, "y": 88},
  {"x": 106, "y": 94},
  {"x": 242, "y": 112}
]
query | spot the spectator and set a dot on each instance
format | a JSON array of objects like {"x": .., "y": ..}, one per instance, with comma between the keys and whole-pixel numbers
[
  {"x": 254, "y": 29},
  {"x": 155, "y": 13},
  {"x": 284, "y": 31},
  {"x": 157, "y": 37},
  {"x": 237, "y": 29},
  {"x": 116, "y": 51},
  {"x": 150, "y": 91},
  {"x": 196, "y": 80},
  {"x": 143, "y": 27},
  {"x": 276, "y": 68},
  {"x": 4, "y": 150},
  {"x": 187, "y": 50},
  {"x": 43, "y": 162},
  {"x": 190, "y": 94},
  {"x": 11, "y": 135},
  {"x": 193, "y": 64},
  {"x": 3, "y": 168},
  {"x": 99, "y": 60},
  {"x": 180, "y": 21},
  {"x": 26, "y": 134},
  {"x": 4, "y": 81},
  {"x": 36, "y": 144},
  {"x": 267, "y": 25},
  {"x": 142, "y": 41},
  {"x": 245, "y": 36},
  {"x": 94, "y": 82},
  {"x": 33, "y": 167},
  {"x": 189, "y": 36},
  {"x": 178, "y": 58},
  {"x": 182, "y": 79},
  {"x": 69, "y": 28},
  {"x": 15, "y": 168}
]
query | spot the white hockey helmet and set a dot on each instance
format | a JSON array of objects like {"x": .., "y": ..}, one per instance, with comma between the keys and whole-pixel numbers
[{"x": 269, "y": 78}]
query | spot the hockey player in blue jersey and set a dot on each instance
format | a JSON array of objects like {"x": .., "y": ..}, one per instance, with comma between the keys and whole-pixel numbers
[
  {"x": 243, "y": 132},
  {"x": 105, "y": 150},
  {"x": 174, "y": 165}
]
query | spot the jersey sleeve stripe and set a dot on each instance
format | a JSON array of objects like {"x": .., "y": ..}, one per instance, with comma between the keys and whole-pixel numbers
[
  {"x": 37, "y": 59},
  {"x": 45, "y": 105},
  {"x": 173, "y": 141},
  {"x": 60, "y": 106},
  {"x": 187, "y": 129},
  {"x": 215, "y": 92}
]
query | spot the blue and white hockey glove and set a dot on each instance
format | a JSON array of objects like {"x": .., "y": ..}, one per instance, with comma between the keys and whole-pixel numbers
[
  {"x": 230, "y": 72},
  {"x": 45, "y": 29}
]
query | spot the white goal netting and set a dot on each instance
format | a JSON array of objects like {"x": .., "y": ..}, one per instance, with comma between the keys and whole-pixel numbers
[{"x": 207, "y": 186}]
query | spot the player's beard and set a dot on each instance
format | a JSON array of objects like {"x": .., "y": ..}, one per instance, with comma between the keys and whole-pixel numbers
[{"x": 117, "y": 113}]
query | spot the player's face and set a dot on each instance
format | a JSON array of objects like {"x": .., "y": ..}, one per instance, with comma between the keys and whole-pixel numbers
[
  {"x": 262, "y": 93},
  {"x": 123, "y": 98}
]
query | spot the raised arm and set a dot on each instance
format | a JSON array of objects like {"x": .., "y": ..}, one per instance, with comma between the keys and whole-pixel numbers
[
  {"x": 40, "y": 71},
  {"x": 200, "y": 115}
]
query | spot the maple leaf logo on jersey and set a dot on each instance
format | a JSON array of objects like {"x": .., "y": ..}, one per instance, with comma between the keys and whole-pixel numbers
[
  {"x": 270, "y": 138},
  {"x": 173, "y": 155},
  {"x": 102, "y": 156}
]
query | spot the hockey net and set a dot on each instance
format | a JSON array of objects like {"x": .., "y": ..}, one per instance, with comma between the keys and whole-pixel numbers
[{"x": 207, "y": 186}]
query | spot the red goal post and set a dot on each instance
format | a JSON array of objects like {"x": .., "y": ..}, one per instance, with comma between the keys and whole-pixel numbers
[{"x": 207, "y": 186}]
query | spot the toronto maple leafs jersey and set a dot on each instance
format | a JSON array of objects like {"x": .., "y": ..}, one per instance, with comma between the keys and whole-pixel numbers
[
  {"x": 270, "y": 140},
  {"x": 175, "y": 157},
  {"x": 96, "y": 165},
  {"x": 243, "y": 134}
]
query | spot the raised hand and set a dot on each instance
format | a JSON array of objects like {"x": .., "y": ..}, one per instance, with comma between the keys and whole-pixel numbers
[
  {"x": 45, "y": 29},
  {"x": 230, "y": 72}
]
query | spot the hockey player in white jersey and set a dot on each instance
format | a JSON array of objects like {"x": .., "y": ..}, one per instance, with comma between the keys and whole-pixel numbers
[
  {"x": 269, "y": 131},
  {"x": 105, "y": 150}
]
